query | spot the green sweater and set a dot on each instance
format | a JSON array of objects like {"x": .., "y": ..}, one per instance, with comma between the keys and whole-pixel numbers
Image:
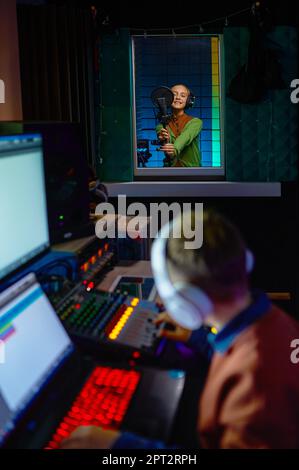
[{"x": 187, "y": 152}]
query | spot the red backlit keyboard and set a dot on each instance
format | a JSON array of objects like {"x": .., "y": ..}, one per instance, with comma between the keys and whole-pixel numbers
[{"x": 103, "y": 401}]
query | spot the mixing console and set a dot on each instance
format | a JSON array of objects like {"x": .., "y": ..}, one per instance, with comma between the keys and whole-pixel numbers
[
  {"x": 110, "y": 318},
  {"x": 92, "y": 266}
]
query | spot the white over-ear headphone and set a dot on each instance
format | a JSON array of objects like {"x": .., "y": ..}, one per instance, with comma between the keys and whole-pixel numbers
[{"x": 188, "y": 305}]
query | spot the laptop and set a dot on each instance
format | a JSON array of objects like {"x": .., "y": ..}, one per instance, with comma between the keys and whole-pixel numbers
[{"x": 48, "y": 388}]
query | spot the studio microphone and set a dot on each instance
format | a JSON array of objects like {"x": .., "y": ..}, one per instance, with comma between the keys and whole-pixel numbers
[{"x": 162, "y": 99}]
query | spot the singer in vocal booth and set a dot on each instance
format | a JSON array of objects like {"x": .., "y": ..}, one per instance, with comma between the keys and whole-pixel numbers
[{"x": 180, "y": 138}]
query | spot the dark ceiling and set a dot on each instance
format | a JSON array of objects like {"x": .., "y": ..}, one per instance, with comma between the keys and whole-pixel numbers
[{"x": 159, "y": 14}]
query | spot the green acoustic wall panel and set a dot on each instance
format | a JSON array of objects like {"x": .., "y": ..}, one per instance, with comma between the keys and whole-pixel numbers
[
  {"x": 115, "y": 162},
  {"x": 116, "y": 147},
  {"x": 261, "y": 140}
]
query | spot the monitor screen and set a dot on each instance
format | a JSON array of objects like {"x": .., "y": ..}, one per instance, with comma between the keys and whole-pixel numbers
[
  {"x": 190, "y": 67},
  {"x": 66, "y": 171},
  {"x": 23, "y": 208},
  {"x": 30, "y": 355}
]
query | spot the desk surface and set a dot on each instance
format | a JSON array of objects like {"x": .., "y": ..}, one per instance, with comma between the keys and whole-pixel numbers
[
  {"x": 193, "y": 189},
  {"x": 125, "y": 268}
]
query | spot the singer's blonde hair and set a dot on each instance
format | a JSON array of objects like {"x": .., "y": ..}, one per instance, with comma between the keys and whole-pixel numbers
[{"x": 185, "y": 86}]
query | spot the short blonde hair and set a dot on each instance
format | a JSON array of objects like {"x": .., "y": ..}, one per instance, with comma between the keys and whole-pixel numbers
[{"x": 185, "y": 86}]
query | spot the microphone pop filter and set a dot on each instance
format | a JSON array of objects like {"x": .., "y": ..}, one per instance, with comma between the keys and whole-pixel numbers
[{"x": 160, "y": 95}]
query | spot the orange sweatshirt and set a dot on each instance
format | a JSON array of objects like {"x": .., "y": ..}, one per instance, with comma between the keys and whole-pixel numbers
[{"x": 251, "y": 396}]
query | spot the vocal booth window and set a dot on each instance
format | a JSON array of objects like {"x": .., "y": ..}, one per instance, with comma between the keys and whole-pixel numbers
[{"x": 184, "y": 74}]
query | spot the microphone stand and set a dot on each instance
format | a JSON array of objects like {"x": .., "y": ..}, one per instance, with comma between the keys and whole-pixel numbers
[
  {"x": 162, "y": 99},
  {"x": 164, "y": 118}
]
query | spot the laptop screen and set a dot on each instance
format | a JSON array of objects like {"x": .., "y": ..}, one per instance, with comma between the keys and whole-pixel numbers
[{"x": 33, "y": 345}]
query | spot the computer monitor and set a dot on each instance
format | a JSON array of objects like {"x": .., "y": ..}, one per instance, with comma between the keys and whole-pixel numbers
[
  {"x": 23, "y": 209},
  {"x": 66, "y": 171},
  {"x": 30, "y": 356}
]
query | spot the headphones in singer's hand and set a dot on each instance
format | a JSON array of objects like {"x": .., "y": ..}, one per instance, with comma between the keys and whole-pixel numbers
[{"x": 188, "y": 305}]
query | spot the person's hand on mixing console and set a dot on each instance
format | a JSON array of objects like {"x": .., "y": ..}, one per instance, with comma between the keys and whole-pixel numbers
[
  {"x": 172, "y": 330},
  {"x": 90, "y": 437}
]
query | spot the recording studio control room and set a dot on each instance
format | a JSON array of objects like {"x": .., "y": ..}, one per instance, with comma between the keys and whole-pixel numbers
[{"x": 148, "y": 242}]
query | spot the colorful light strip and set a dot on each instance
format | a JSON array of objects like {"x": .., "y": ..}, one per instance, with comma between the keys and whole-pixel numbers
[
  {"x": 6, "y": 332},
  {"x": 216, "y": 160},
  {"x": 123, "y": 319},
  {"x": 7, "y": 318}
]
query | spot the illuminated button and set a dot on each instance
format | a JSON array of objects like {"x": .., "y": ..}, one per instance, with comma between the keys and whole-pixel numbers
[
  {"x": 120, "y": 324},
  {"x": 85, "y": 267},
  {"x": 214, "y": 330},
  {"x": 62, "y": 432},
  {"x": 136, "y": 354}
]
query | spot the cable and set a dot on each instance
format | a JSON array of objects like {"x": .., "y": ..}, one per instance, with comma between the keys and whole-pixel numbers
[
  {"x": 58, "y": 263},
  {"x": 55, "y": 284},
  {"x": 172, "y": 30},
  {"x": 48, "y": 278},
  {"x": 270, "y": 140}
]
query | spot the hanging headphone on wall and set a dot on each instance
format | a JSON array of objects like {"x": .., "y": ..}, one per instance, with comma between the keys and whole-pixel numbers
[{"x": 187, "y": 304}]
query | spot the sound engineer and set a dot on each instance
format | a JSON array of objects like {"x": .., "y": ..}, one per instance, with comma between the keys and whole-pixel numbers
[
  {"x": 180, "y": 139},
  {"x": 250, "y": 397}
]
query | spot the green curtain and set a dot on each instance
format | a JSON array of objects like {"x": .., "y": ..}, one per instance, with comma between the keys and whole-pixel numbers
[
  {"x": 261, "y": 140},
  {"x": 114, "y": 123}
]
